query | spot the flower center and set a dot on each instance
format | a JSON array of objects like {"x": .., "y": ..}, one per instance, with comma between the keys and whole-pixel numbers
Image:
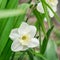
[
  {"x": 24, "y": 37},
  {"x": 24, "y": 40},
  {"x": 51, "y": 0}
]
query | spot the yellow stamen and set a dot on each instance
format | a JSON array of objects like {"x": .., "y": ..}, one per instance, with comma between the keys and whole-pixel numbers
[
  {"x": 24, "y": 38},
  {"x": 51, "y": 0}
]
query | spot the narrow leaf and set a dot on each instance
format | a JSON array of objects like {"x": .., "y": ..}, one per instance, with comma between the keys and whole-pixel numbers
[
  {"x": 45, "y": 41},
  {"x": 5, "y": 35},
  {"x": 10, "y": 13}
]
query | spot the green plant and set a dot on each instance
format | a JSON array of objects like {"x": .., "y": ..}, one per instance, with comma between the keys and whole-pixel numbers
[{"x": 12, "y": 15}]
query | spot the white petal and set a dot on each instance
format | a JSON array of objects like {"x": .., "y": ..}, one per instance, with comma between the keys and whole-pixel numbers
[
  {"x": 54, "y": 8},
  {"x": 14, "y": 34},
  {"x": 40, "y": 8},
  {"x": 50, "y": 12},
  {"x": 33, "y": 43},
  {"x": 16, "y": 46},
  {"x": 24, "y": 28},
  {"x": 27, "y": 29},
  {"x": 52, "y": 3},
  {"x": 32, "y": 30},
  {"x": 23, "y": 25},
  {"x": 45, "y": 19}
]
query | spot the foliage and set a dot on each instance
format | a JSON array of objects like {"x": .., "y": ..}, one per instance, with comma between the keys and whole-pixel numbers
[{"x": 12, "y": 14}]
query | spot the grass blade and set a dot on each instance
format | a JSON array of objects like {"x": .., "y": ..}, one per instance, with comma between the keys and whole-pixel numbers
[
  {"x": 7, "y": 30},
  {"x": 45, "y": 41},
  {"x": 10, "y": 13}
]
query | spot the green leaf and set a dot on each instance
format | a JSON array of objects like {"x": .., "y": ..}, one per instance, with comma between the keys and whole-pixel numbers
[
  {"x": 12, "y": 4},
  {"x": 3, "y": 4},
  {"x": 0, "y": 2},
  {"x": 5, "y": 21},
  {"x": 31, "y": 57},
  {"x": 7, "y": 51},
  {"x": 2, "y": 24},
  {"x": 50, "y": 52},
  {"x": 5, "y": 34},
  {"x": 9, "y": 5},
  {"x": 45, "y": 41},
  {"x": 7, "y": 48},
  {"x": 22, "y": 16},
  {"x": 8, "y": 28},
  {"x": 11, "y": 13}
]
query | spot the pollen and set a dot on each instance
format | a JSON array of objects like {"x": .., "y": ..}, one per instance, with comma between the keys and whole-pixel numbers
[
  {"x": 24, "y": 37},
  {"x": 51, "y": 0}
]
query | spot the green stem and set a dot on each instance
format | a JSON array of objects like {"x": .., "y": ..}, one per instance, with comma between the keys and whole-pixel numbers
[
  {"x": 21, "y": 56},
  {"x": 39, "y": 36},
  {"x": 29, "y": 1},
  {"x": 31, "y": 56},
  {"x": 26, "y": 19},
  {"x": 40, "y": 41},
  {"x": 13, "y": 54},
  {"x": 46, "y": 13},
  {"x": 38, "y": 55}
]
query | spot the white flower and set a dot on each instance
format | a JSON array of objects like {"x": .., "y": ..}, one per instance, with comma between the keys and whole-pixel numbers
[
  {"x": 52, "y": 2},
  {"x": 53, "y": 5},
  {"x": 40, "y": 8},
  {"x": 23, "y": 37}
]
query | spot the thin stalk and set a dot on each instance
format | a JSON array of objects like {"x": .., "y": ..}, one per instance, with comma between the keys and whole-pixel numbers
[
  {"x": 13, "y": 54},
  {"x": 26, "y": 19},
  {"x": 21, "y": 56},
  {"x": 39, "y": 41},
  {"x": 29, "y": 1},
  {"x": 39, "y": 36},
  {"x": 38, "y": 55},
  {"x": 46, "y": 13}
]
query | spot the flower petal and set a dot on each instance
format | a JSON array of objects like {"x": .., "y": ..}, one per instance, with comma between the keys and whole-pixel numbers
[
  {"x": 27, "y": 29},
  {"x": 14, "y": 34},
  {"x": 16, "y": 46},
  {"x": 24, "y": 26},
  {"x": 54, "y": 8},
  {"x": 50, "y": 12},
  {"x": 32, "y": 30},
  {"x": 40, "y": 8},
  {"x": 33, "y": 43},
  {"x": 52, "y": 3},
  {"x": 45, "y": 19}
]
